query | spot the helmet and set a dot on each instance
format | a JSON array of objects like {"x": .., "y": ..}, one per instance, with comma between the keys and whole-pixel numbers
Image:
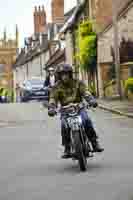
[{"x": 64, "y": 68}]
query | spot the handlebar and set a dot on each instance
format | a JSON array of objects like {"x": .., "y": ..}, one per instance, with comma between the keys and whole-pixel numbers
[
  {"x": 70, "y": 105},
  {"x": 79, "y": 105}
]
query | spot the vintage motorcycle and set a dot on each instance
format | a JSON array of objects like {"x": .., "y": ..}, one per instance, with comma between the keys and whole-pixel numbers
[{"x": 81, "y": 148}]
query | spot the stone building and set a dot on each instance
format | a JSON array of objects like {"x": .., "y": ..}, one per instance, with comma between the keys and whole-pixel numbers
[
  {"x": 8, "y": 54},
  {"x": 106, "y": 42},
  {"x": 103, "y": 11}
]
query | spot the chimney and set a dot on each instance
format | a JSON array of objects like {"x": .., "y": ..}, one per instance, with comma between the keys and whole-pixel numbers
[
  {"x": 57, "y": 11},
  {"x": 35, "y": 20},
  {"x": 39, "y": 20}
]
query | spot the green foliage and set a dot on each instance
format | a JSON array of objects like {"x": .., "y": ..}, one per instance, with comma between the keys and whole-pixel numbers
[
  {"x": 87, "y": 46},
  {"x": 92, "y": 88},
  {"x": 86, "y": 28},
  {"x": 87, "y": 52},
  {"x": 129, "y": 85},
  {"x": 109, "y": 83}
]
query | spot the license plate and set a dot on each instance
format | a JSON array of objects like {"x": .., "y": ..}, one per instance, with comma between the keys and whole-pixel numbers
[{"x": 40, "y": 93}]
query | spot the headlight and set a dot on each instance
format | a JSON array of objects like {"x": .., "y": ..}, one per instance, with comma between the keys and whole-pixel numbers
[
  {"x": 28, "y": 88},
  {"x": 3, "y": 97}
]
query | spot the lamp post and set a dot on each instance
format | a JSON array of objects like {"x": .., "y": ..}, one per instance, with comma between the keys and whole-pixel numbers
[{"x": 116, "y": 48}]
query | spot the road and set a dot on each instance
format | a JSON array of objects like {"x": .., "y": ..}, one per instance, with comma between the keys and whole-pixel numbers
[{"x": 30, "y": 164}]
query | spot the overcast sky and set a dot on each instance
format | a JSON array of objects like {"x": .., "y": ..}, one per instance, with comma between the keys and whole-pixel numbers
[{"x": 20, "y": 12}]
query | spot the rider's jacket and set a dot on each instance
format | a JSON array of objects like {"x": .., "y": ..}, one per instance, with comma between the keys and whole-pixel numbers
[{"x": 73, "y": 92}]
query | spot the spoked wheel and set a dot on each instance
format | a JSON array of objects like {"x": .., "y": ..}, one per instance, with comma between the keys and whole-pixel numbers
[
  {"x": 82, "y": 162},
  {"x": 80, "y": 153}
]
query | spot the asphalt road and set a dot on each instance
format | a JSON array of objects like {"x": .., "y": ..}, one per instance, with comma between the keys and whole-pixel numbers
[{"x": 30, "y": 164}]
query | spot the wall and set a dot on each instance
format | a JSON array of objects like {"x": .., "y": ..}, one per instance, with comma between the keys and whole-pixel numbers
[
  {"x": 106, "y": 40},
  {"x": 125, "y": 27},
  {"x": 103, "y": 11},
  {"x": 31, "y": 68},
  {"x": 69, "y": 48}
]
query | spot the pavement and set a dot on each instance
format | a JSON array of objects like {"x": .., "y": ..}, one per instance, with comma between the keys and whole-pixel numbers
[
  {"x": 31, "y": 167},
  {"x": 124, "y": 108}
]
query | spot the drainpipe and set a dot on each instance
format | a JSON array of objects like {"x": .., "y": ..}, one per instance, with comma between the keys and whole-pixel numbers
[{"x": 116, "y": 48}]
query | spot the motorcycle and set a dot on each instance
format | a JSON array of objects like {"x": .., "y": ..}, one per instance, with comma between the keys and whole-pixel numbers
[{"x": 81, "y": 148}]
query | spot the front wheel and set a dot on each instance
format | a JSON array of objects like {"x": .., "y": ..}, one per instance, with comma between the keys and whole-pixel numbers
[{"x": 80, "y": 153}]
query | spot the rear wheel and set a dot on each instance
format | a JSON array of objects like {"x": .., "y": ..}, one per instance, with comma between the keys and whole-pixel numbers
[{"x": 80, "y": 153}]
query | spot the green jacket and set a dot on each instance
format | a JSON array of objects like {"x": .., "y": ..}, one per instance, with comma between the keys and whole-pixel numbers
[{"x": 74, "y": 92}]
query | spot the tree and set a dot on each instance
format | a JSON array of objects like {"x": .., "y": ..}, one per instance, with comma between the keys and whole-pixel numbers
[{"x": 87, "y": 48}]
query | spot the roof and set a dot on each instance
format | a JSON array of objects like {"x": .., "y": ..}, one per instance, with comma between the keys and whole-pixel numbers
[
  {"x": 20, "y": 59},
  {"x": 55, "y": 58},
  {"x": 69, "y": 13},
  {"x": 25, "y": 57}
]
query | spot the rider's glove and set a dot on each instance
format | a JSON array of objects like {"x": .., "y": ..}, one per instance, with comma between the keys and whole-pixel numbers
[
  {"x": 93, "y": 103},
  {"x": 52, "y": 112}
]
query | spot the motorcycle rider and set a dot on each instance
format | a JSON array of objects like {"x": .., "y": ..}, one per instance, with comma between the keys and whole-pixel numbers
[
  {"x": 68, "y": 90},
  {"x": 50, "y": 79}
]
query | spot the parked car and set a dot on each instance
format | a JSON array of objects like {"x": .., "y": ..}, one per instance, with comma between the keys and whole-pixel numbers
[
  {"x": 33, "y": 89},
  {"x": 3, "y": 95}
]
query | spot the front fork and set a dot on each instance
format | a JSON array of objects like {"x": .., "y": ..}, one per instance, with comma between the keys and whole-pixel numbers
[
  {"x": 76, "y": 136},
  {"x": 85, "y": 143}
]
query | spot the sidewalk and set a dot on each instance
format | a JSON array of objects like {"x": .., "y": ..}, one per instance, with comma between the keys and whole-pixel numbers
[{"x": 124, "y": 108}]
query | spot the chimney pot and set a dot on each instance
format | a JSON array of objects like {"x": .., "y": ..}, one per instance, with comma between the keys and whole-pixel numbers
[
  {"x": 35, "y": 9},
  {"x": 43, "y": 8}
]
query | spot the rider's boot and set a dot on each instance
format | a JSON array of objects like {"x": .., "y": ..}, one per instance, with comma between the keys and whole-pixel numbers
[
  {"x": 96, "y": 146},
  {"x": 67, "y": 152}
]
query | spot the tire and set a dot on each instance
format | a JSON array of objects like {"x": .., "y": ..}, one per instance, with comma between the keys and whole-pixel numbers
[
  {"x": 80, "y": 154},
  {"x": 23, "y": 100}
]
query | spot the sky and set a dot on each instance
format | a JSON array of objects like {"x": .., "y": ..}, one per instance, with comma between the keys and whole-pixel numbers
[{"x": 20, "y": 12}]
